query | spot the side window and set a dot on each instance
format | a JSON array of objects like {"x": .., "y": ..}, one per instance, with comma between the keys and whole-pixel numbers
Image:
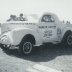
[{"x": 47, "y": 18}]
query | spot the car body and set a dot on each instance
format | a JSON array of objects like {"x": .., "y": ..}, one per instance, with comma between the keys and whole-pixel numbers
[{"x": 47, "y": 29}]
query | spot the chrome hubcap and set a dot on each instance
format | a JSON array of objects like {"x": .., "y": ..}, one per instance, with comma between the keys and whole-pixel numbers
[
  {"x": 69, "y": 40},
  {"x": 27, "y": 47}
]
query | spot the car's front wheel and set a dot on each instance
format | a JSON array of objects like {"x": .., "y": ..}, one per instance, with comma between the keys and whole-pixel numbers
[{"x": 26, "y": 47}]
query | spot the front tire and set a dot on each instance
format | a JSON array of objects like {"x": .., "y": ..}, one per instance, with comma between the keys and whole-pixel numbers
[{"x": 26, "y": 47}]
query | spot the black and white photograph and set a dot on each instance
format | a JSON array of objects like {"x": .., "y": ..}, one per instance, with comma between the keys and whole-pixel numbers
[{"x": 35, "y": 36}]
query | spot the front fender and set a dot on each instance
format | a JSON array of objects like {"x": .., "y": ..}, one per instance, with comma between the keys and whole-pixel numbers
[{"x": 18, "y": 34}]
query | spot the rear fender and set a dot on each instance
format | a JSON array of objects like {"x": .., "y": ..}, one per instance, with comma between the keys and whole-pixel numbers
[{"x": 66, "y": 29}]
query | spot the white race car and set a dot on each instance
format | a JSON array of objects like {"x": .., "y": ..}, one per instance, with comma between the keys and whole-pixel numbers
[{"x": 26, "y": 34}]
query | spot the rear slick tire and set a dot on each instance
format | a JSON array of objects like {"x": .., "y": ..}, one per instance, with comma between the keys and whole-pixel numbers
[{"x": 67, "y": 41}]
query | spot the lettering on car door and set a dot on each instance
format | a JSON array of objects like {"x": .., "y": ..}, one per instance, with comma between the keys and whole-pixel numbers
[{"x": 48, "y": 28}]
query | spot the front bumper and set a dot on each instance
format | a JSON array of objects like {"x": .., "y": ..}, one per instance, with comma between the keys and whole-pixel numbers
[{"x": 3, "y": 46}]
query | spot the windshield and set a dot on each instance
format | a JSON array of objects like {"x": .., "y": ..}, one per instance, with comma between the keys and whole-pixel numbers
[{"x": 47, "y": 18}]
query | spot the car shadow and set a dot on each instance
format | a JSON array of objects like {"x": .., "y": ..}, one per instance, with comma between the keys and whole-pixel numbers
[{"x": 43, "y": 53}]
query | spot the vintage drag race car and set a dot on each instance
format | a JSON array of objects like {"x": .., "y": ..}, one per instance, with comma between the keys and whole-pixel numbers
[{"x": 25, "y": 34}]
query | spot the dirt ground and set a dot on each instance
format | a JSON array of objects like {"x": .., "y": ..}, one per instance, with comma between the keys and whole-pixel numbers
[{"x": 52, "y": 56}]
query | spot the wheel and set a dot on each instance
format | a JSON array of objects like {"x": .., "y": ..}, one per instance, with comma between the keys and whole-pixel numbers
[
  {"x": 25, "y": 47},
  {"x": 67, "y": 41}
]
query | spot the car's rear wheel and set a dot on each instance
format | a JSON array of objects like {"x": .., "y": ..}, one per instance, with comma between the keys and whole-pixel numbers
[{"x": 67, "y": 41}]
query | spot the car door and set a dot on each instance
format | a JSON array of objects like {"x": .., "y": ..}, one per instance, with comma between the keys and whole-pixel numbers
[{"x": 48, "y": 28}]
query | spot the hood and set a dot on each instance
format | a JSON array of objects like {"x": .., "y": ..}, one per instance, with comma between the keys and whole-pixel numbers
[{"x": 5, "y": 27}]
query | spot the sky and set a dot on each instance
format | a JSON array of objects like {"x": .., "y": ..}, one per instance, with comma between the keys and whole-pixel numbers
[{"x": 62, "y": 8}]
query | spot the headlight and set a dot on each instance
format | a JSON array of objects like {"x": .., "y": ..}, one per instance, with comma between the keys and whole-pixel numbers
[{"x": 4, "y": 38}]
